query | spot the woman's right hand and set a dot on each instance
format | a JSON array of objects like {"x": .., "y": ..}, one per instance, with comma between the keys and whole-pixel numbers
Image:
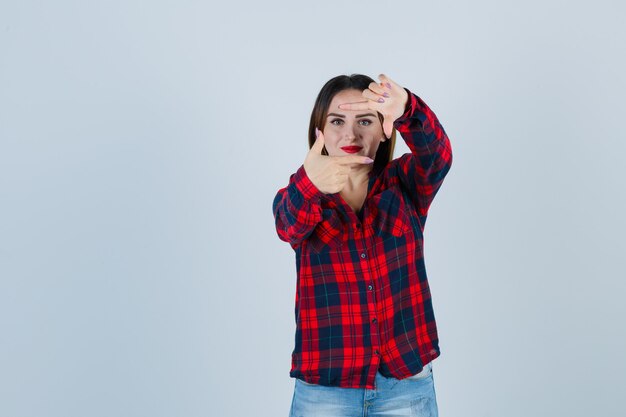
[{"x": 330, "y": 173}]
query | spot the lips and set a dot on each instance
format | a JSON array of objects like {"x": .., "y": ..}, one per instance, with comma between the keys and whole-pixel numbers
[{"x": 351, "y": 149}]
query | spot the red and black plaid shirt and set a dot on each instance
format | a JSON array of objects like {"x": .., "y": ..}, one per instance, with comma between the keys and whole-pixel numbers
[{"x": 362, "y": 301}]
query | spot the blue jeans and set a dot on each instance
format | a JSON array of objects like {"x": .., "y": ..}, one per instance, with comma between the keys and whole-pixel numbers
[{"x": 414, "y": 396}]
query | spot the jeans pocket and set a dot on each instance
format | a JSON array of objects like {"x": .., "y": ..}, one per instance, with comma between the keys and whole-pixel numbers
[{"x": 424, "y": 407}]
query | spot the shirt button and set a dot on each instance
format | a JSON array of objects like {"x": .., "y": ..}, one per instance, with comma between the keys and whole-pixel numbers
[
  {"x": 374, "y": 320},
  {"x": 370, "y": 287},
  {"x": 376, "y": 352},
  {"x": 363, "y": 255}
]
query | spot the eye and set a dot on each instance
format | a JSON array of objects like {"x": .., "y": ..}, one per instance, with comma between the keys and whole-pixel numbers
[
  {"x": 336, "y": 122},
  {"x": 365, "y": 122}
]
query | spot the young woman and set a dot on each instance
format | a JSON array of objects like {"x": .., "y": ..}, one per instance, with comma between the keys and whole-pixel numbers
[{"x": 365, "y": 328}]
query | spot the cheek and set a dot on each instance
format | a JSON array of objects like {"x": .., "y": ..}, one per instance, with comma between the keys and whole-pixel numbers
[
  {"x": 374, "y": 134},
  {"x": 330, "y": 139},
  {"x": 374, "y": 138}
]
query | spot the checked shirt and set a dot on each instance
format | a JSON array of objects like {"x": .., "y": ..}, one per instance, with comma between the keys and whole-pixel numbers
[{"x": 363, "y": 303}]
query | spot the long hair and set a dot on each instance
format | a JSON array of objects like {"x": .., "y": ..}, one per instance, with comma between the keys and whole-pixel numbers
[{"x": 360, "y": 82}]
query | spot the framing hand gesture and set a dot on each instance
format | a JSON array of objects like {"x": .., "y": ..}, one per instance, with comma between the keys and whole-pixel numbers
[
  {"x": 388, "y": 98},
  {"x": 330, "y": 173}
]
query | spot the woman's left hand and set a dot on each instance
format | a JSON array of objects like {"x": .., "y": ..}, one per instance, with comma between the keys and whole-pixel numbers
[{"x": 388, "y": 98}]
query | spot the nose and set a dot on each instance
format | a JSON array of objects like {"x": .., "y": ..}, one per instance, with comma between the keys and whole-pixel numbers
[{"x": 350, "y": 132}]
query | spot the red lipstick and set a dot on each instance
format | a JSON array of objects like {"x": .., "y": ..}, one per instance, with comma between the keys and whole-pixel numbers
[{"x": 351, "y": 149}]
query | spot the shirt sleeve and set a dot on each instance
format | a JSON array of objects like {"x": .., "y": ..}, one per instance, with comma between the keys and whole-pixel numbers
[
  {"x": 297, "y": 209},
  {"x": 423, "y": 170}
]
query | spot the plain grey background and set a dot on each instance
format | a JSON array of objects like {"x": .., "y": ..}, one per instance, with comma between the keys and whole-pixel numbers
[{"x": 142, "y": 144}]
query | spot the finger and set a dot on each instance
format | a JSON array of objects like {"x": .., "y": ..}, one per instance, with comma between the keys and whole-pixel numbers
[
  {"x": 318, "y": 145},
  {"x": 352, "y": 160},
  {"x": 387, "y": 127},
  {"x": 341, "y": 178},
  {"x": 357, "y": 105},
  {"x": 387, "y": 82},
  {"x": 370, "y": 95},
  {"x": 378, "y": 89},
  {"x": 339, "y": 187},
  {"x": 343, "y": 169}
]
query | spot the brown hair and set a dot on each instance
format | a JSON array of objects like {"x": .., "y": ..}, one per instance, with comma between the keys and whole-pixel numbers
[{"x": 322, "y": 103}]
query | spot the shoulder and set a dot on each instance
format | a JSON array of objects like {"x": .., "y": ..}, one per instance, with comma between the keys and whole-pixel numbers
[{"x": 391, "y": 171}]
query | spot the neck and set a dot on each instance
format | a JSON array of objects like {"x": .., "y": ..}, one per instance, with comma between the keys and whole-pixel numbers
[{"x": 358, "y": 176}]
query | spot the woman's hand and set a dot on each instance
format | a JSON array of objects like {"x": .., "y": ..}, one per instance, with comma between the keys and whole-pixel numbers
[
  {"x": 388, "y": 98},
  {"x": 330, "y": 173}
]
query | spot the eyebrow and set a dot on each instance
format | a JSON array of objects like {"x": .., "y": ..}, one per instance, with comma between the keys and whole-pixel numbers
[{"x": 357, "y": 116}]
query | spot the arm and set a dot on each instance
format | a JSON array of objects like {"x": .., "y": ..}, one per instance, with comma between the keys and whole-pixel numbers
[
  {"x": 297, "y": 209},
  {"x": 424, "y": 169},
  {"x": 431, "y": 155}
]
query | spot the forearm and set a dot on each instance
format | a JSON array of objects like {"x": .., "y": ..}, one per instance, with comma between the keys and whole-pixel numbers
[
  {"x": 421, "y": 130},
  {"x": 297, "y": 209},
  {"x": 431, "y": 155}
]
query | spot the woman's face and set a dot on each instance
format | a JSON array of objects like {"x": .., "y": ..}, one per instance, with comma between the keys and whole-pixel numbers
[{"x": 351, "y": 132}]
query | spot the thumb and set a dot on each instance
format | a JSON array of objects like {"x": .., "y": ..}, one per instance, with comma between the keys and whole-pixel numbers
[
  {"x": 319, "y": 142},
  {"x": 387, "y": 127}
]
